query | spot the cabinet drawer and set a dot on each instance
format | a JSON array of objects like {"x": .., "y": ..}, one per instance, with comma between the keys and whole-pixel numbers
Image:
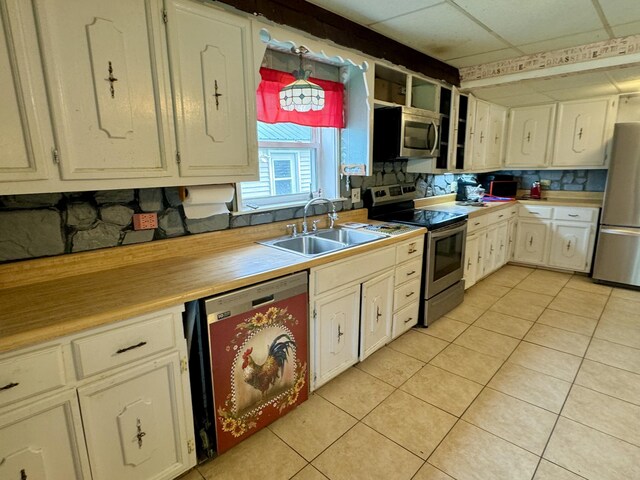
[
  {"x": 534, "y": 211},
  {"x": 476, "y": 223},
  {"x": 121, "y": 345},
  {"x": 405, "y": 294},
  {"x": 499, "y": 216},
  {"x": 409, "y": 249},
  {"x": 576, "y": 214},
  {"x": 408, "y": 271},
  {"x": 348, "y": 271},
  {"x": 405, "y": 319},
  {"x": 28, "y": 374}
]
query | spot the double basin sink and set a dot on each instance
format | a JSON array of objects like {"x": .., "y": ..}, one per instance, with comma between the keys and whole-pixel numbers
[{"x": 323, "y": 241}]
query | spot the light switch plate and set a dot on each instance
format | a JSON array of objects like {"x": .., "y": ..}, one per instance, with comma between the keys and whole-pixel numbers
[{"x": 355, "y": 195}]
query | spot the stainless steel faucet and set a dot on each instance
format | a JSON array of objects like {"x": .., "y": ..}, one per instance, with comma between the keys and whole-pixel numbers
[{"x": 333, "y": 216}]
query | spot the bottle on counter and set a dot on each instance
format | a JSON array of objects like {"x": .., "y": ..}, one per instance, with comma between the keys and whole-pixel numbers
[{"x": 535, "y": 190}]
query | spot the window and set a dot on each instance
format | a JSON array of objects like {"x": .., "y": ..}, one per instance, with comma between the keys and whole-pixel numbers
[{"x": 294, "y": 160}]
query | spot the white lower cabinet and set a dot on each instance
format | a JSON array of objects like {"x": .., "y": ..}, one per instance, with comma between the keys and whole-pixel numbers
[
  {"x": 531, "y": 241},
  {"x": 114, "y": 403},
  {"x": 358, "y": 304},
  {"x": 487, "y": 247},
  {"x": 558, "y": 237},
  {"x": 336, "y": 334},
  {"x": 44, "y": 440},
  {"x": 377, "y": 313}
]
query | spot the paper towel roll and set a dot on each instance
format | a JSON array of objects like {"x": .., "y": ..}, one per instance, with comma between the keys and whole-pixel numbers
[{"x": 207, "y": 200}]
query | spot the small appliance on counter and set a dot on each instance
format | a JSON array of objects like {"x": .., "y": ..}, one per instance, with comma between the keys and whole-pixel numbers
[
  {"x": 500, "y": 185},
  {"x": 535, "y": 192}
]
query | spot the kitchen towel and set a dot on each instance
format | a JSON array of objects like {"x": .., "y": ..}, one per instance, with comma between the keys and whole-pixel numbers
[{"x": 206, "y": 200}]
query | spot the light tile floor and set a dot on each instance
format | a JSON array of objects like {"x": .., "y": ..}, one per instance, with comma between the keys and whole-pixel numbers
[{"x": 535, "y": 376}]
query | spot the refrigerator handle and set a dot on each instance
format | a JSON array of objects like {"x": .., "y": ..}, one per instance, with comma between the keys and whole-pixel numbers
[{"x": 621, "y": 231}]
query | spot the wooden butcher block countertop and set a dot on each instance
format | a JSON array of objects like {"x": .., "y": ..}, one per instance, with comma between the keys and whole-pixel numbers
[{"x": 48, "y": 298}]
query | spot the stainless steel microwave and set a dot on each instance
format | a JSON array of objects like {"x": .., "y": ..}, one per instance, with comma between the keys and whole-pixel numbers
[{"x": 404, "y": 132}]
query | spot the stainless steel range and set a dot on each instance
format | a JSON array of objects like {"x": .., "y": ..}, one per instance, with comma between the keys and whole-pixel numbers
[{"x": 443, "y": 266}]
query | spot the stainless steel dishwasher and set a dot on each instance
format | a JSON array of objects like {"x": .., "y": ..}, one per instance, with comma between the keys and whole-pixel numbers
[{"x": 259, "y": 357}]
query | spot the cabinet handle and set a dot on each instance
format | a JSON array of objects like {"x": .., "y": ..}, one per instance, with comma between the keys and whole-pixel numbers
[
  {"x": 469, "y": 263},
  {"x": 573, "y": 215},
  {"x": 531, "y": 240},
  {"x": 140, "y": 433},
  {"x": 408, "y": 320},
  {"x": 476, "y": 224},
  {"x": 411, "y": 273},
  {"x": 378, "y": 314},
  {"x": 528, "y": 137},
  {"x": 126, "y": 349},
  {"x": 216, "y": 94},
  {"x": 481, "y": 136},
  {"x": 491, "y": 250},
  {"x": 340, "y": 333},
  {"x": 409, "y": 294},
  {"x": 412, "y": 248},
  {"x": 534, "y": 213},
  {"x": 111, "y": 79},
  {"x": 580, "y": 133},
  {"x": 568, "y": 245},
  {"x": 500, "y": 216},
  {"x": 9, "y": 386},
  {"x": 23, "y": 474}
]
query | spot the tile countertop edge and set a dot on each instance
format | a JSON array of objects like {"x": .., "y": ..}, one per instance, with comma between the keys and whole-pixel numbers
[{"x": 50, "y": 310}]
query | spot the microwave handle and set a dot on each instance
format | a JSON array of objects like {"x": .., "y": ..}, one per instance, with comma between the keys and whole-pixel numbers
[{"x": 435, "y": 143}]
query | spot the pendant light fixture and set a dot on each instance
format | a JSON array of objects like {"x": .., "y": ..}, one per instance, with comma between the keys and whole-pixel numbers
[{"x": 301, "y": 95}]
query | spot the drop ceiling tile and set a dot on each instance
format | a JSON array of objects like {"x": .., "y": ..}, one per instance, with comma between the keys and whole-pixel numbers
[
  {"x": 524, "y": 100},
  {"x": 569, "y": 81},
  {"x": 567, "y": 41},
  {"x": 631, "y": 28},
  {"x": 623, "y": 74},
  {"x": 583, "y": 92},
  {"x": 441, "y": 31},
  {"x": 366, "y": 12},
  {"x": 620, "y": 11},
  {"x": 488, "y": 57},
  {"x": 523, "y": 21}
]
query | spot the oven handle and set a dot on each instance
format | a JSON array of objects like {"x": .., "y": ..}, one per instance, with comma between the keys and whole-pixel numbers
[{"x": 448, "y": 231}]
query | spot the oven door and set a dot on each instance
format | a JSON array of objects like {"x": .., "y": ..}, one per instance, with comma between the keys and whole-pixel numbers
[{"x": 445, "y": 257}]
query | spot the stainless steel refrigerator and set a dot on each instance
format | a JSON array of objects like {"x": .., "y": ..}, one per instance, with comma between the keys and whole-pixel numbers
[{"x": 618, "y": 250}]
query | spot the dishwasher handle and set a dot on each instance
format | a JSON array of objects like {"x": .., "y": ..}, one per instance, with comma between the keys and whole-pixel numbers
[{"x": 258, "y": 302}]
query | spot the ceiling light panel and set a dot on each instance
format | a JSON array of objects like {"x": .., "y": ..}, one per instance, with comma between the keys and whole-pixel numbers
[{"x": 618, "y": 12}]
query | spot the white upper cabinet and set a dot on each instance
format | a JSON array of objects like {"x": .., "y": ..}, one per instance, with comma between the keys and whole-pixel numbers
[
  {"x": 25, "y": 130},
  {"x": 582, "y": 132},
  {"x": 530, "y": 134},
  {"x": 107, "y": 73},
  {"x": 214, "y": 86},
  {"x": 497, "y": 119},
  {"x": 480, "y": 134}
]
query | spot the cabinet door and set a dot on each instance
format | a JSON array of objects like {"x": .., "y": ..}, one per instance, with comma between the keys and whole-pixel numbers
[
  {"x": 44, "y": 440},
  {"x": 471, "y": 261},
  {"x": 215, "y": 92},
  {"x": 570, "y": 246},
  {"x": 481, "y": 257},
  {"x": 531, "y": 239},
  {"x": 25, "y": 133},
  {"x": 490, "y": 251},
  {"x": 107, "y": 71},
  {"x": 583, "y": 131},
  {"x": 376, "y": 314},
  {"x": 529, "y": 136},
  {"x": 511, "y": 238},
  {"x": 134, "y": 422},
  {"x": 480, "y": 135},
  {"x": 470, "y": 132},
  {"x": 495, "y": 142},
  {"x": 502, "y": 244},
  {"x": 335, "y": 343}
]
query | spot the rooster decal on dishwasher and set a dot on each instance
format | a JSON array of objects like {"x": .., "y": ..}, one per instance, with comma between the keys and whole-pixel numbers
[{"x": 263, "y": 377}]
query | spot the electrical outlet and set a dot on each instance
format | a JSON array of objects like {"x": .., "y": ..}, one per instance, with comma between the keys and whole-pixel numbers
[
  {"x": 355, "y": 195},
  {"x": 145, "y": 221}
]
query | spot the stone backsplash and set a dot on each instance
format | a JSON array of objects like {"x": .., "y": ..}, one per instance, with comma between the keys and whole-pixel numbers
[{"x": 40, "y": 225}]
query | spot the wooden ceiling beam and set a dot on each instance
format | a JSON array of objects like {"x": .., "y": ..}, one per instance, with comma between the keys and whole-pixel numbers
[{"x": 327, "y": 25}]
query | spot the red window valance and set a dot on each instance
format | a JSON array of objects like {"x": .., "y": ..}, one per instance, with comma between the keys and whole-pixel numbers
[{"x": 268, "y": 102}]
